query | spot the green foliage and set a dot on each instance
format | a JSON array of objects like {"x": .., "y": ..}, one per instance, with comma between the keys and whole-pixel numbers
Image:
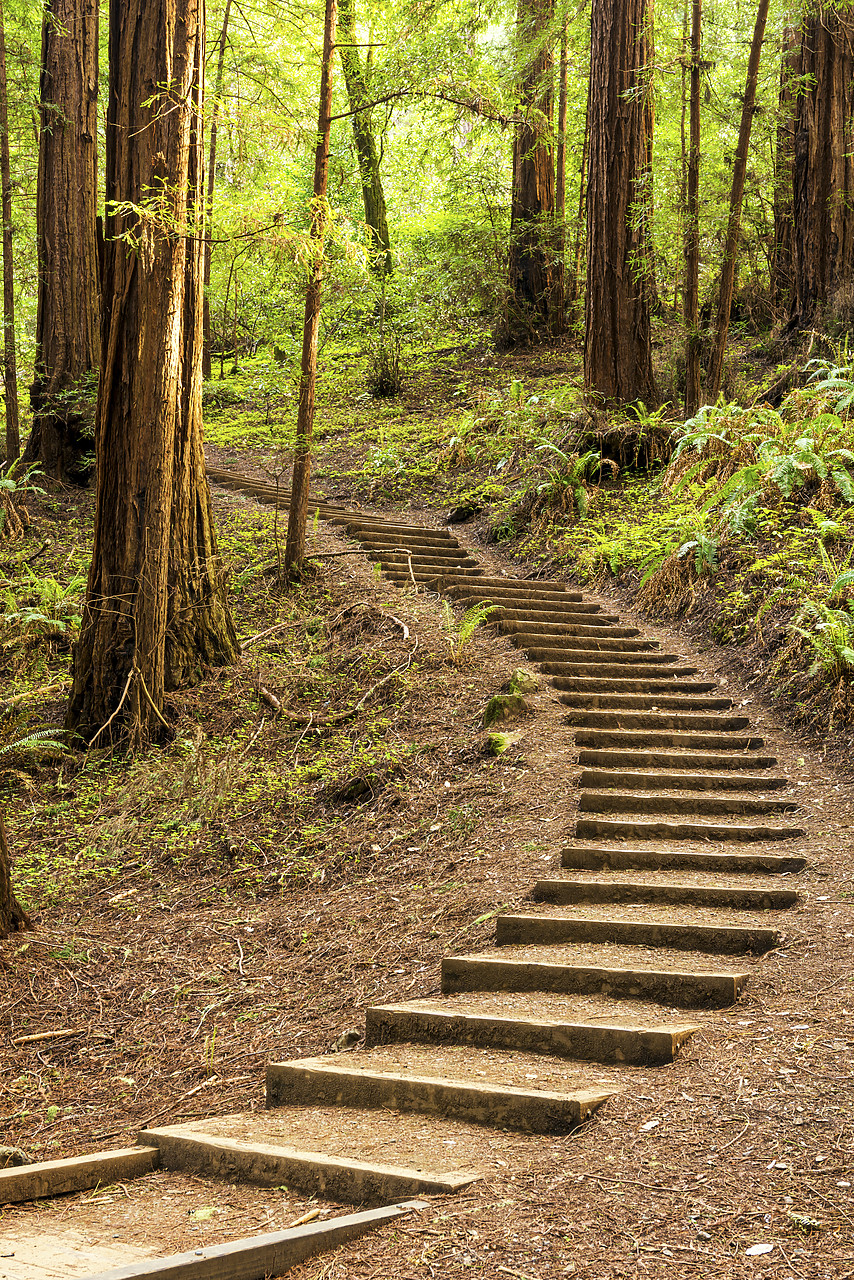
[{"x": 459, "y": 633}]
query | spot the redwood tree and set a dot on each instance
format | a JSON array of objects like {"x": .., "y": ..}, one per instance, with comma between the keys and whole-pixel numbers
[
  {"x": 10, "y": 366},
  {"x": 12, "y": 914},
  {"x": 533, "y": 278},
  {"x": 823, "y": 172},
  {"x": 367, "y": 153},
  {"x": 617, "y": 343},
  {"x": 155, "y": 608},
  {"x": 67, "y": 324}
]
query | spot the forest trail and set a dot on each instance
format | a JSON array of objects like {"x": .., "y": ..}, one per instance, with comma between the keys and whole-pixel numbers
[
  {"x": 684, "y": 861},
  {"x": 680, "y": 874}
]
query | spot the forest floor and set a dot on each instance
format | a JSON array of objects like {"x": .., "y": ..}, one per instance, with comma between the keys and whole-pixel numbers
[{"x": 241, "y": 894}]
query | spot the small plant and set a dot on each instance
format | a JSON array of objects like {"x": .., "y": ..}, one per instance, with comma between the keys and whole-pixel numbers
[
  {"x": 385, "y": 378},
  {"x": 460, "y": 633},
  {"x": 831, "y": 638}
]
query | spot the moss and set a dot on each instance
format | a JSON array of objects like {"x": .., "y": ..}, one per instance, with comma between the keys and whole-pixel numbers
[{"x": 503, "y": 707}]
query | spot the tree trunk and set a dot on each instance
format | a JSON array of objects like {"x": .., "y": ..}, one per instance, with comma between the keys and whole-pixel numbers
[
  {"x": 10, "y": 366},
  {"x": 379, "y": 256},
  {"x": 782, "y": 269},
  {"x": 582, "y": 204},
  {"x": 67, "y": 324},
  {"x": 617, "y": 343},
  {"x": 156, "y": 608},
  {"x": 559, "y": 317},
  {"x": 220, "y": 65},
  {"x": 739, "y": 170},
  {"x": 823, "y": 179},
  {"x": 691, "y": 295},
  {"x": 532, "y": 273},
  {"x": 12, "y": 915},
  {"x": 298, "y": 512}
]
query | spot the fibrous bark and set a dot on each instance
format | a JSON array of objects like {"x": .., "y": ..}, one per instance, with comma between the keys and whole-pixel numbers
[
  {"x": 739, "y": 172},
  {"x": 782, "y": 268},
  {"x": 214, "y": 133},
  {"x": 298, "y": 513},
  {"x": 617, "y": 344},
  {"x": 823, "y": 175},
  {"x": 532, "y": 268},
  {"x": 367, "y": 154},
  {"x": 10, "y": 364},
  {"x": 67, "y": 324},
  {"x": 12, "y": 914},
  {"x": 155, "y": 609},
  {"x": 691, "y": 297}
]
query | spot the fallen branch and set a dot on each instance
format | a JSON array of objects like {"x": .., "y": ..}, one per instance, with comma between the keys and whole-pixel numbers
[
  {"x": 339, "y": 717},
  {"x": 8, "y": 704}
]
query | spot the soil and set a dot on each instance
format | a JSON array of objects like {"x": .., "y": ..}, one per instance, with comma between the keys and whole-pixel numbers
[{"x": 746, "y": 1139}]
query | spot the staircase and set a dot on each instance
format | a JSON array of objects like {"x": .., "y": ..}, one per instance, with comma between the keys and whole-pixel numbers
[{"x": 679, "y": 875}]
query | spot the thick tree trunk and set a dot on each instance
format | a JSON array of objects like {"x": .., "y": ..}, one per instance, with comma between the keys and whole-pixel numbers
[
  {"x": 156, "y": 607},
  {"x": 67, "y": 324},
  {"x": 823, "y": 178},
  {"x": 617, "y": 343},
  {"x": 691, "y": 295},
  {"x": 298, "y": 512},
  {"x": 739, "y": 170},
  {"x": 10, "y": 364},
  {"x": 379, "y": 256},
  {"x": 782, "y": 269},
  {"x": 12, "y": 914},
  {"x": 220, "y": 67},
  {"x": 532, "y": 271}
]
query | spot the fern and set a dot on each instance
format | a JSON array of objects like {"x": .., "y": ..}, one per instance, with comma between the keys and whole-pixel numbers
[{"x": 32, "y": 743}]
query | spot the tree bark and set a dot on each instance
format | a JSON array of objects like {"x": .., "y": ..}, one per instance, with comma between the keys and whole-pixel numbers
[
  {"x": 12, "y": 914},
  {"x": 220, "y": 66},
  {"x": 559, "y": 317},
  {"x": 10, "y": 366},
  {"x": 783, "y": 269},
  {"x": 617, "y": 343},
  {"x": 691, "y": 296},
  {"x": 298, "y": 512},
  {"x": 739, "y": 170},
  {"x": 380, "y": 260},
  {"x": 532, "y": 208},
  {"x": 67, "y": 323},
  {"x": 155, "y": 609},
  {"x": 823, "y": 176}
]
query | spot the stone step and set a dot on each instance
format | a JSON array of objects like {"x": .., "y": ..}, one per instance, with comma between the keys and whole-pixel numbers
[
  {"x": 319, "y": 1082},
  {"x": 476, "y": 593},
  {"x": 675, "y": 987},
  {"x": 655, "y": 781},
  {"x": 520, "y": 590},
  {"x": 645, "y": 690},
  {"x": 571, "y": 615},
  {"x": 558, "y": 637},
  {"x": 631, "y": 739},
  {"x": 623, "y": 675},
  {"x": 661, "y": 931},
  {"x": 601, "y": 632},
  {"x": 587, "y": 701},
  {"x": 419, "y": 560},
  {"x": 716, "y": 806},
  {"x": 704, "y": 895},
  {"x": 628, "y": 828},
  {"x": 644, "y": 662},
  {"x": 437, "y": 536},
  {"x": 621, "y": 1040},
  {"x": 656, "y": 721},
  {"x": 593, "y": 858},
  {"x": 190, "y": 1148},
  {"x": 685, "y": 760}
]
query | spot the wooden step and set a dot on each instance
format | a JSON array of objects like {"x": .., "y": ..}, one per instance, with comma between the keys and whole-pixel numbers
[
  {"x": 767, "y": 898},
  {"x": 723, "y": 939},
  {"x": 595, "y": 858}
]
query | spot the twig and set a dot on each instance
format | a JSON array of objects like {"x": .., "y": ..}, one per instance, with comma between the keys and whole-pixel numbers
[
  {"x": 341, "y": 716},
  {"x": 270, "y": 698},
  {"x": 240, "y": 961},
  {"x": 280, "y": 626},
  {"x": 46, "y": 1035},
  {"x": 735, "y": 1139},
  {"x": 306, "y": 1217},
  {"x": 107, "y": 723},
  {"x": 8, "y": 703},
  {"x": 151, "y": 700}
]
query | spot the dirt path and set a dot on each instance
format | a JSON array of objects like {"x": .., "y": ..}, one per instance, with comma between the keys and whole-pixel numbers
[{"x": 745, "y": 1138}]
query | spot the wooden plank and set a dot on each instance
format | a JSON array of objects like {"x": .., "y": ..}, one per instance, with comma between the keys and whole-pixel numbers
[
  {"x": 257, "y": 1256},
  {"x": 78, "y": 1173}
]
